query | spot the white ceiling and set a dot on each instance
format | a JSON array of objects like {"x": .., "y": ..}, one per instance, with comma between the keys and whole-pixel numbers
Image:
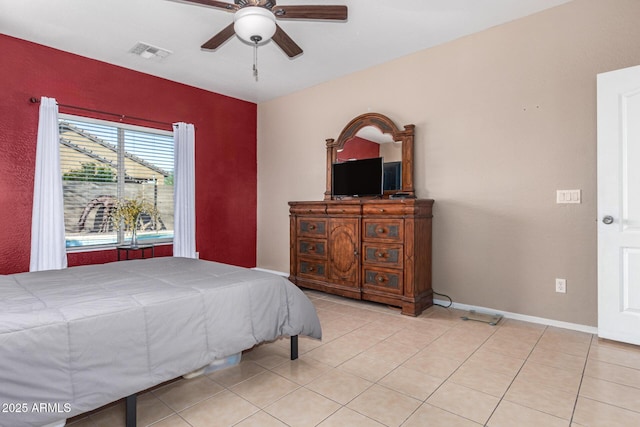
[{"x": 376, "y": 31}]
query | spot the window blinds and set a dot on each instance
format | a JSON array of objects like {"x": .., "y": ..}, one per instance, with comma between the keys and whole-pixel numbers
[{"x": 103, "y": 163}]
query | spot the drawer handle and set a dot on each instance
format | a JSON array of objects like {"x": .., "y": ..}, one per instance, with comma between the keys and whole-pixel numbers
[
  {"x": 381, "y": 210},
  {"x": 312, "y": 248},
  {"x": 310, "y": 269},
  {"x": 382, "y": 255},
  {"x": 380, "y": 278},
  {"x": 312, "y": 227},
  {"x": 380, "y": 230}
]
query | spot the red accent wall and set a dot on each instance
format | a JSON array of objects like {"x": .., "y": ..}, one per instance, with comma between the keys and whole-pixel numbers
[
  {"x": 359, "y": 148},
  {"x": 226, "y": 157}
]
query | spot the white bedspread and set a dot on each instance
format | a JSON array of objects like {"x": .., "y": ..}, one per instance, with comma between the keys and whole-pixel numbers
[{"x": 73, "y": 340}]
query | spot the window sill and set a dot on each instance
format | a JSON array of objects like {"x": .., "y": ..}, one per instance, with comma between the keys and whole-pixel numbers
[{"x": 111, "y": 247}]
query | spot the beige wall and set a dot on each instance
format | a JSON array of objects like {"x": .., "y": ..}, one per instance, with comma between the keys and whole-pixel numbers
[{"x": 503, "y": 119}]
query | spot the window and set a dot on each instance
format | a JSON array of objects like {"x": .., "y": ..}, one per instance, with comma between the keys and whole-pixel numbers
[{"x": 103, "y": 163}]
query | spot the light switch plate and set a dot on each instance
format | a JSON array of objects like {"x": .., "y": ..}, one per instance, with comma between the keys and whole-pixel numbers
[{"x": 569, "y": 196}]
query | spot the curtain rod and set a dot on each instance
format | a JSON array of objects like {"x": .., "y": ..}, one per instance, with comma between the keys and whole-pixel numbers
[{"x": 35, "y": 100}]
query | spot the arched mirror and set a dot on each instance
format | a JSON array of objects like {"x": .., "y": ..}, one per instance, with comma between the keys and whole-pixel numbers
[{"x": 375, "y": 135}]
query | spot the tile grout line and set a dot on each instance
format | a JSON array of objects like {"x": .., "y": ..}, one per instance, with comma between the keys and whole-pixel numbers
[
  {"x": 450, "y": 375},
  {"x": 584, "y": 370},
  {"x": 516, "y": 376}
]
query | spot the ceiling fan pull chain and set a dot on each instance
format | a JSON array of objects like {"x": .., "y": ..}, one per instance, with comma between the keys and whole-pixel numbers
[{"x": 255, "y": 60}]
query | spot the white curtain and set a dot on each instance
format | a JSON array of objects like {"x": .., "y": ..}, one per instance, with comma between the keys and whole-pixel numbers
[
  {"x": 48, "y": 251},
  {"x": 184, "y": 186}
]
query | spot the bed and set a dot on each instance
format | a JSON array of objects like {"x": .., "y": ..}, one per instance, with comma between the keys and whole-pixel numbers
[{"x": 76, "y": 339}]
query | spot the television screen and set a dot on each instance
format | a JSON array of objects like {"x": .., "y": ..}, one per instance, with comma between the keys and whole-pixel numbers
[{"x": 357, "y": 178}]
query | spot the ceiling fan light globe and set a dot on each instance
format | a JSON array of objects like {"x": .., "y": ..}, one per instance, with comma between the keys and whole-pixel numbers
[{"x": 253, "y": 22}]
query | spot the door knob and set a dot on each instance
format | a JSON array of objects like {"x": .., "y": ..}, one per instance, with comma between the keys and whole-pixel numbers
[{"x": 607, "y": 219}]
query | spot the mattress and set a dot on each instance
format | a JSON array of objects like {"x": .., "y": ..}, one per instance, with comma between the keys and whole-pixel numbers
[{"x": 73, "y": 340}]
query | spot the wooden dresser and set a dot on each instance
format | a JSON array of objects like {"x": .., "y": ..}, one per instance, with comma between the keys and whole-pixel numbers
[{"x": 377, "y": 250}]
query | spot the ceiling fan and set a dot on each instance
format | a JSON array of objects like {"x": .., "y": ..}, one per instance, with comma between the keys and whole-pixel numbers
[{"x": 255, "y": 21}]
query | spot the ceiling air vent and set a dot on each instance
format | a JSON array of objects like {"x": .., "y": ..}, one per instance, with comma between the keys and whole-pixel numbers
[{"x": 148, "y": 51}]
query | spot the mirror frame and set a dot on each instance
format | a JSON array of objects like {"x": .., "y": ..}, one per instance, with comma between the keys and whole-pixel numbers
[{"x": 386, "y": 126}]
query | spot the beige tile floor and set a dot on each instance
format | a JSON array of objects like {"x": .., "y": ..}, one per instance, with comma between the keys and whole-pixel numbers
[{"x": 375, "y": 367}]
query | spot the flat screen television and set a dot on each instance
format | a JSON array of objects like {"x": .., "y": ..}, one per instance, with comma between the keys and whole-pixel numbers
[{"x": 357, "y": 178}]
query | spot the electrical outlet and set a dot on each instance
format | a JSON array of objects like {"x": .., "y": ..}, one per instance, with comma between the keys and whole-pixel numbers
[{"x": 561, "y": 286}]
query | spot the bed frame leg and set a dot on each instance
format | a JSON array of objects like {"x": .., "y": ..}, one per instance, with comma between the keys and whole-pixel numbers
[
  {"x": 294, "y": 347},
  {"x": 130, "y": 403}
]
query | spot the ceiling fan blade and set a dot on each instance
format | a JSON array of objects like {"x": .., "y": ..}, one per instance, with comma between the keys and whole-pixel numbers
[
  {"x": 311, "y": 12},
  {"x": 213, "y": 3},
  {"x": 286, "y": 43},
  {"x": 224, "y": 35}
]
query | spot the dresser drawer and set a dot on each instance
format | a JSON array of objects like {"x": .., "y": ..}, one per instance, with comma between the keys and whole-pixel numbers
[
  {"x": 386, "y": 209},
  {"x": 388, "y": 230},
  {"x": 312, "y": 227},
  {"x": 382, "y": 254},
  {"x": 308, "y": 208},
  {"x": 312, "y": 268},
  {"x": 389, "y": 281},
  {"x": 344, "y": 209},
  {"x": 312, "y": 247}
]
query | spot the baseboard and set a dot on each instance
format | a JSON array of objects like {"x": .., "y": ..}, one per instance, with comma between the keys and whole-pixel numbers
[
  {"x": 523, "y": 317},
  {"x": 506, "y": 314}
]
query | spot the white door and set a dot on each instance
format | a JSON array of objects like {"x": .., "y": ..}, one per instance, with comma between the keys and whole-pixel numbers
[{"x": 619, "y": 205}]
